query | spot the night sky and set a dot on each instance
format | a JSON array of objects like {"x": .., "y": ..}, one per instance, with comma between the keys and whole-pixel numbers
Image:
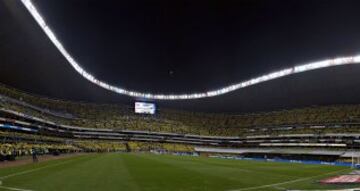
[{"x": 184, "y": 46}]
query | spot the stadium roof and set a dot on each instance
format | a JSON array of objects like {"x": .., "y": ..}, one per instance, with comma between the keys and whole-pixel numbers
[{"x": 185, "y": 47}]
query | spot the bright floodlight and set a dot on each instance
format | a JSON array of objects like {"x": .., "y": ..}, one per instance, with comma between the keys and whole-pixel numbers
[{"x": 267, "y": 77}]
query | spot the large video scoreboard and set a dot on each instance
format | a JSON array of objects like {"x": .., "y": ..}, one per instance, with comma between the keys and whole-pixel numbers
[{"x": 145, "y": 108}]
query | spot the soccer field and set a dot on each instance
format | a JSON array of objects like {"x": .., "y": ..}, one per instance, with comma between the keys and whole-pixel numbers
[{"x": 147, "y": 172}]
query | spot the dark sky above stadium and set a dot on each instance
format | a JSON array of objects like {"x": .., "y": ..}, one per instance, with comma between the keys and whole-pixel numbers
[{"x": 184, "y": 46}]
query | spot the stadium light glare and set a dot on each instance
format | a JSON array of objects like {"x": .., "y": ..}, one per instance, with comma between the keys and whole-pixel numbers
[{"x": 267, "y": 77}]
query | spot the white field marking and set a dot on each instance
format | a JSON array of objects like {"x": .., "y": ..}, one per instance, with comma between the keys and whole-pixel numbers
[
  {"x": 287, "y": 182},
  {"x": 29, "y": 171},
  {"x": 36, "y": 169},
  {"x": 279, "y": 188},
  {"x": 15, "y": 189},
  {"x": 11, "y": 188},
  {"x": 352, "y": 189}
]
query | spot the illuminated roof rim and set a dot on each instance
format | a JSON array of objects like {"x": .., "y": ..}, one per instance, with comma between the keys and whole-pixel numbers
[{"x": 267, "y": 77}]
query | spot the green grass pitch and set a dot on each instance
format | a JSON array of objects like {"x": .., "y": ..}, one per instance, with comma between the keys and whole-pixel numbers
[{"x": 147, "y": 172}]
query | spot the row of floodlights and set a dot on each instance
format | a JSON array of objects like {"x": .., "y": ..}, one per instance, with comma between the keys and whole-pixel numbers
[{"x": 285, "y": 72}]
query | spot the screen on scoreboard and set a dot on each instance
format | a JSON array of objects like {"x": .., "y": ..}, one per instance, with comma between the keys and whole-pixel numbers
[{"x": 145, "y": 108}]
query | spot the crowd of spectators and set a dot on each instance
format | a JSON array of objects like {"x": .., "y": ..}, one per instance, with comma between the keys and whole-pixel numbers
[
  {"x": 114, "y": 116},
  {"x": 16, "y": 144},
  {"x": 10, "y": 151},
  {"x": 169, "y": 147}
]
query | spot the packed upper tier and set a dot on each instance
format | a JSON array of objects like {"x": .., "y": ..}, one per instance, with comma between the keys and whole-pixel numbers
[{"x": 317, "y": 119}]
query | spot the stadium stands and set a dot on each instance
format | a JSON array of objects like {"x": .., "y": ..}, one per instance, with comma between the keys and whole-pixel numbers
[
  {"x": 304, "y": 120},
  {"x": 67, "y": 126}
]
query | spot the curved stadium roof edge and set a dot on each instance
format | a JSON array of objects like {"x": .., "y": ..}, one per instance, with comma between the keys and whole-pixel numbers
[{"x": 211, "y": 93}]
